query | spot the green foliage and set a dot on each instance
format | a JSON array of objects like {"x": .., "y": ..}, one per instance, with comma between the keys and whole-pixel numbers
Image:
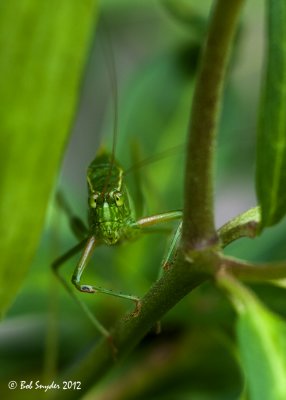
[
  {"x": 43, "y": 52},
  {"x": 271, "y": 141},
  {"x": 44, "y": 49},
  {"x": 262, "y": 342}
]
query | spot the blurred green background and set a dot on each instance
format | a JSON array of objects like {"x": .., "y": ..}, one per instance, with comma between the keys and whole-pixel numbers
[{"x": 155, "y": 47}]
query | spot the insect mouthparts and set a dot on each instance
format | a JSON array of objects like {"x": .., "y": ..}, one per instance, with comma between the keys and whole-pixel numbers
[{"x": 111, "y": 239}]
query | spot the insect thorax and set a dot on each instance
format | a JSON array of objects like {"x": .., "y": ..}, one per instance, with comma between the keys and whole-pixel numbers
[{"x": 110, "y": 214}]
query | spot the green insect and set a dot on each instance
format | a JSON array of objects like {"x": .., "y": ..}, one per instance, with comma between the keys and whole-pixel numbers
[{"x": 111, "y": 220}]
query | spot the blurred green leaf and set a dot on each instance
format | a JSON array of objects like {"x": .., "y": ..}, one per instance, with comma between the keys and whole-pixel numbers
[
  {"x": 43, "y": 52},
  {"x": 262, "y": 341},
  {"x": 271, "y": 146},
  {"x": 184, "y": 12}
]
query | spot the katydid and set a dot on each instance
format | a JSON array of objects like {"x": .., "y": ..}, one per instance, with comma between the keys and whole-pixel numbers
[{"x": 111, "y": 220}]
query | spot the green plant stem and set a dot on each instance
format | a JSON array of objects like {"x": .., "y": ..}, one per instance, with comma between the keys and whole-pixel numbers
[
  {"x": 244, "y": 225},
  {"x": 198, "y": 228},
  {"x": 252, "y": 272},
  {"x": 155, "y": 364},
  {"x": 180, "y": 279},
  {"x": 176, "y": 282}
]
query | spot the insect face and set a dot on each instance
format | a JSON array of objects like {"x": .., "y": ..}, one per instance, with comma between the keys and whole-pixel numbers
[
  {"x": 97, "y": 199},
  {"x": 108, "y": 213}
]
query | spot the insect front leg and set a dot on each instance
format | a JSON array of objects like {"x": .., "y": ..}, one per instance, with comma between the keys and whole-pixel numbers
[
  {"x": 76, "y": 278},
  {"x": 168, "y": 259},
  {"x": 161, "y": 218},
  {"x": 56, "y": 265},
  {"x": 171, "y": 252}
]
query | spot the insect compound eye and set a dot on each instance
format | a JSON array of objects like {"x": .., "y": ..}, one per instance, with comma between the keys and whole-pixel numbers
[
  {"x": 93, "y": 200},
  {"x": 118, "y": 198}
]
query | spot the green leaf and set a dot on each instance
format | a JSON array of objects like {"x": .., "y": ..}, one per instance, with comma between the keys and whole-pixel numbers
[
  {"x": 262, "y": 342},
  {"x": 43, "y": 51},
  {"x": 271, "y": 146}
]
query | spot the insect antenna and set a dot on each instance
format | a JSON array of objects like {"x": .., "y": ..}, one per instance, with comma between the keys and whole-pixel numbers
[
  {"x": 168, "y": 153},
  {"x": 155, "y": 157},
  {"x": 111, "y": 67}
]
